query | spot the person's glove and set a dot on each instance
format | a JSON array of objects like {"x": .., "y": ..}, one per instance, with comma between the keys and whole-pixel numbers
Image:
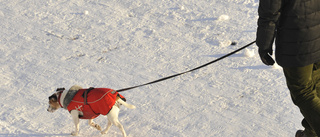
[{"x": 265, "y": 56}]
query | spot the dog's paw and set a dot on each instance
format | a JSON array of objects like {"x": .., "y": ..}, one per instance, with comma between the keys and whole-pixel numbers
[
  {"x": 74, "y": 133},
  {"x": 103, "y": 132},
  {"x": 97, "y": 127}
]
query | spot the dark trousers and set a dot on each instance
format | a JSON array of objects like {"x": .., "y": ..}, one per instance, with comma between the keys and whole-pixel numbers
[{"x": 304, "y": 86}]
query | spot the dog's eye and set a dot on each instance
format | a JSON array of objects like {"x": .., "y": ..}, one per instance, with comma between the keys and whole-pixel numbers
[{"x": 52, "y": 100}]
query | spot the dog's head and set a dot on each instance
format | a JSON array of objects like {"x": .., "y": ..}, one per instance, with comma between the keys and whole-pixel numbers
[{"x": 53, "y": 103}]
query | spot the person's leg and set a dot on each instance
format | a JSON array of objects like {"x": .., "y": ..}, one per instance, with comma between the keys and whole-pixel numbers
[
  {"x": 316, "y": 76},
  {"x": 302, "y": 85},
  {"x": 316, "y": 79}
]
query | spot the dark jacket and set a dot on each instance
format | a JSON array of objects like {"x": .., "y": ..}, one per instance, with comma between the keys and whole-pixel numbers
[{"x": 295, "y": 24}]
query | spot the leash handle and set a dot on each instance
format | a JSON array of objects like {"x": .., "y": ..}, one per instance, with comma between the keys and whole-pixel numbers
[{"x": 175, "y": 75}]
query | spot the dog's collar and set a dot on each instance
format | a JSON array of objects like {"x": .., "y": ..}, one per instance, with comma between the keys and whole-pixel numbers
[{"x": 59, "y": 97}]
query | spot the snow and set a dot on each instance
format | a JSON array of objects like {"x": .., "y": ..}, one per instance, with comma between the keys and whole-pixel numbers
[
  {"x": 225, "y": 43},
  {"x": 249, "y": 52},
  {"x": 49, "y": 44},
  {"x": 223, "y": 18}
]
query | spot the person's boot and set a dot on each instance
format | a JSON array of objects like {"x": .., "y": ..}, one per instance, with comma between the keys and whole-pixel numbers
[
  {"x": 303, "y": 133},
  {"x": 300, "y": 133}
]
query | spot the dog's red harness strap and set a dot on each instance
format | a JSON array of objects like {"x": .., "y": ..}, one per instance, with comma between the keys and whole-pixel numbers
[
  {"x": 59, "y": 99},
  {"x": 85, "y": 94}
]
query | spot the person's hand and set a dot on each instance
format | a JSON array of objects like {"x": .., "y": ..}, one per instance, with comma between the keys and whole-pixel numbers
[{"x": 265, "y": 56}]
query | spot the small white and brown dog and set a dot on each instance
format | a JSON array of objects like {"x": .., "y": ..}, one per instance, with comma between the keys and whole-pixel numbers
[{"x": 88, "y": 104}]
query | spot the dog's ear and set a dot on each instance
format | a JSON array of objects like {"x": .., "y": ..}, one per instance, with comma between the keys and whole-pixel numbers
[
  {"x": 53, "y": 98},
  {"x": 60, "y": 89}
]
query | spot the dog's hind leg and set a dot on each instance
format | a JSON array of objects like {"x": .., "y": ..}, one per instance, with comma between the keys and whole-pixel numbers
[
  {"x": 119, "y": 125},
  {"x": 108, "y": 127},
  {"x": 113, "y": 119},
  {"x": 91, "y": 123}
]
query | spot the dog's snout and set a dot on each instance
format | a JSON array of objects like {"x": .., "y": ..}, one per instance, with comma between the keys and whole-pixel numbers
[{"x": 50, "y": 109}]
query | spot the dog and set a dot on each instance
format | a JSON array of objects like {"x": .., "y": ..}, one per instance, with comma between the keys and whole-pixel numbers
[{"x": 89, "y": 104}]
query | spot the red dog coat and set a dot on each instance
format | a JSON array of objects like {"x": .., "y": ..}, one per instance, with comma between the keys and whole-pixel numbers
[{"x": 99, "y": 101}]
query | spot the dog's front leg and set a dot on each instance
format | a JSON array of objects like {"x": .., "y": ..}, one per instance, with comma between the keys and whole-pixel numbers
[
  {"x": 91, "y": 123},
  {"x": 75, "y": 117}
]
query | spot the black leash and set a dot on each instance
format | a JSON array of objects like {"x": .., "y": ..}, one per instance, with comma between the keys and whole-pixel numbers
[{"x": 165, "y": 78}]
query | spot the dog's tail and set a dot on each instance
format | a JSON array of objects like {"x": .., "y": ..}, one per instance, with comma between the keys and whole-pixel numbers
[{"x": 126, "y": 104}]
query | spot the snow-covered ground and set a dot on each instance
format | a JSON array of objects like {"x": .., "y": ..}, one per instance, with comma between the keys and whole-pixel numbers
[{"x": 46, "y": 44}]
